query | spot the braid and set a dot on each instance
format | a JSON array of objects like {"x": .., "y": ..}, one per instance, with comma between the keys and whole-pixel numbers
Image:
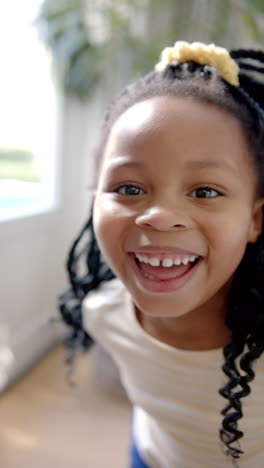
[
  {"x": 251, "y": 64},
  {"x": 248, "y": 54},
  {"x": 247, "y": 290},
  {"x": 96, "y": 271},
  {"x": 247, "y": 294}
]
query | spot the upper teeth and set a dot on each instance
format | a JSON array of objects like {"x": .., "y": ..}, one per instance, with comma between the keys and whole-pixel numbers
[{"x": 166, "y": 262}]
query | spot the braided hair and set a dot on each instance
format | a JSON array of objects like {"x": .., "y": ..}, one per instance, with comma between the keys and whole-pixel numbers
[{"x": 246, "y": 103}]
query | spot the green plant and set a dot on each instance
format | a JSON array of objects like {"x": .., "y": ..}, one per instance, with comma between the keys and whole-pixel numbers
[
  {"x": 18, "y": 163},
  {"x": 81, "y": 57}
]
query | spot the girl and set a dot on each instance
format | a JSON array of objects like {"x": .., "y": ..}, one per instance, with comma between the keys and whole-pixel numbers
[{"x": 178, "y": 218}]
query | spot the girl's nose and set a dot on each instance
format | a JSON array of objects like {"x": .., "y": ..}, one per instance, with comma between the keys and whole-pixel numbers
[{"x": 160, "y": 218}]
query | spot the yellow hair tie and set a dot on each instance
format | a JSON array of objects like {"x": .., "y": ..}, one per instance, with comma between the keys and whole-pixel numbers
[{"x": 197, "y": 52}]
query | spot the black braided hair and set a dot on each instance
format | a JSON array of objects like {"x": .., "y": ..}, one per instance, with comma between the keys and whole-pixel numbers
[
  {"x": 96, "y": 271},
  {"x": 245, "y": 308}
]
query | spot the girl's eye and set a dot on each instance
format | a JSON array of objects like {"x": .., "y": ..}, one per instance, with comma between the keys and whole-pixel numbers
[
  {"x": 127, "y": 189},
  {"x": 205, "y": 192}
]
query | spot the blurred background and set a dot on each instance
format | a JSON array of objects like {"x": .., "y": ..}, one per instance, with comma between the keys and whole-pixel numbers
[{"x": 62, "y": 62}]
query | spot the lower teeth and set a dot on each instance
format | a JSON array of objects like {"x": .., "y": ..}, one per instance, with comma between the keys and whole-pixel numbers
[{"x": 149, "y": 276}]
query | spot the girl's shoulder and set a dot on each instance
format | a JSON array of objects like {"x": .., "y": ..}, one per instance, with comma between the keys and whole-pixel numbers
[
  {"x": 103, "y": 304},
  {"x": 258, "y": 368}
]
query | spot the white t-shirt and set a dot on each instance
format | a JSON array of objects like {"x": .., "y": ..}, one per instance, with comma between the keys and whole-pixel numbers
[{"x": 174, "y": 392}]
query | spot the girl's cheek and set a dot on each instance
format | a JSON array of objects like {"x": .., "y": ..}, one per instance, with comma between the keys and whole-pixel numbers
[
  {"x": 106, "y": 215},
  {"x": 107, "y": 208},
  {"x": 100, "y": 216}
]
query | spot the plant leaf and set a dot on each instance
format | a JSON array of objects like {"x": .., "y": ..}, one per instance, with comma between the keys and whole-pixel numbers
[
  {"x": 256, "y": 4},
  {"x": 252, "y": 26}
]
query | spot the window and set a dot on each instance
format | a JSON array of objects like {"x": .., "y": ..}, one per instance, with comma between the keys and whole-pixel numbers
[{"x": 27, "y": 114}]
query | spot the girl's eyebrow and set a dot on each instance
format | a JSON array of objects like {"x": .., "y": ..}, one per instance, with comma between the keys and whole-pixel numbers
[
  {"x": 204, "y": 164},
  {"x": 120, "y": 162}
]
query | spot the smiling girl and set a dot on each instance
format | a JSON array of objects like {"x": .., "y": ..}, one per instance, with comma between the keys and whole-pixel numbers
[{"x": 178, "y": 218}]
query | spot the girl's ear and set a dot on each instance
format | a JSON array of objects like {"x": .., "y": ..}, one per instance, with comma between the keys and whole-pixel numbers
[{"x": 256, "y": 225}]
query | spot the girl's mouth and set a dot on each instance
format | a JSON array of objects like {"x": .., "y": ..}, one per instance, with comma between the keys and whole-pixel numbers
[{"x": 161, "y": 272}]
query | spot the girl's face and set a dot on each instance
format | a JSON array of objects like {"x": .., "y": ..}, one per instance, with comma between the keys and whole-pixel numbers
[{"x": 176, "y": 204}]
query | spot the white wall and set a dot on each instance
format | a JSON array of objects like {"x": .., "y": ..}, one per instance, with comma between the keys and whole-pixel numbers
[{"x": 33, "y": 249}]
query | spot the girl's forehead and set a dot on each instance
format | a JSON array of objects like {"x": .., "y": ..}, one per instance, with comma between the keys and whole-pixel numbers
[
  {"x": 136, "y": 116},
  {"x": 176, "y": 122},
  {"x": 148, "y": 114}
]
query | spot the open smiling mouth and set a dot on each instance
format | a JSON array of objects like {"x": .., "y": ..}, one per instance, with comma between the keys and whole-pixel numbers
[{"x": 162, "y": 272}]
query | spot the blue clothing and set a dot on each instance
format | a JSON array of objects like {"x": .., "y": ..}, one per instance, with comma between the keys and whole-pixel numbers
[{"x": 136, "y": 460}]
